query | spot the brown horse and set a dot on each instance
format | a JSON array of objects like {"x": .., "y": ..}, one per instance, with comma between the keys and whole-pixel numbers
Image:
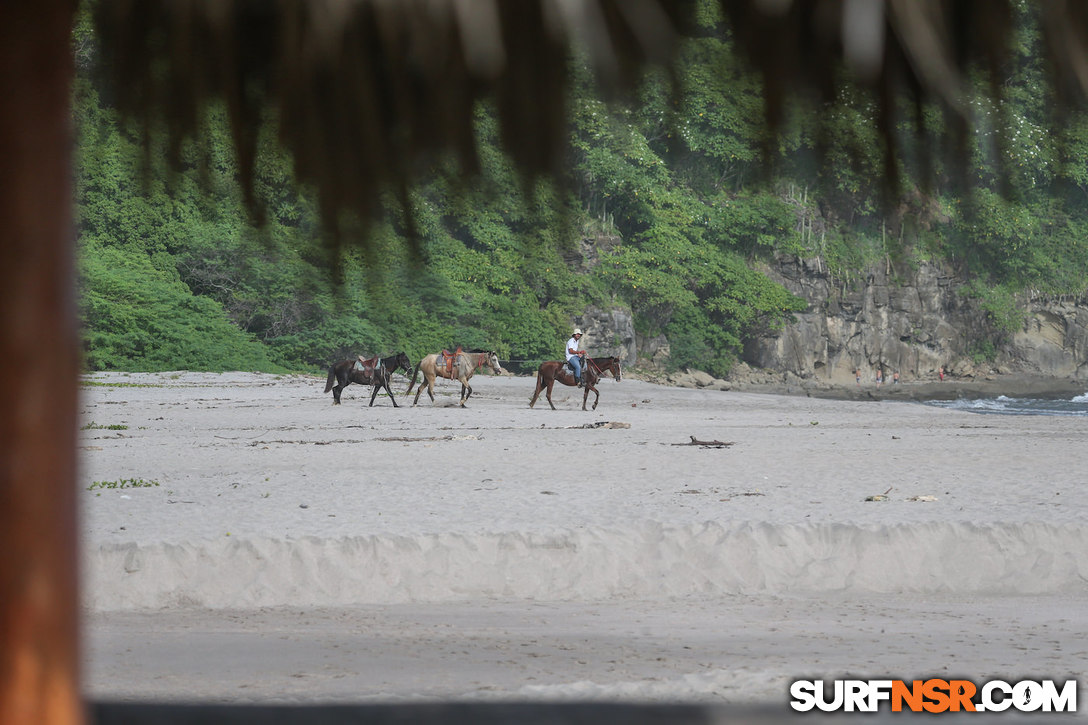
[
  {"x": 555, "y": 371},
  {"x": 378, "y": 374},
  {"x": 462, "y": 366}
]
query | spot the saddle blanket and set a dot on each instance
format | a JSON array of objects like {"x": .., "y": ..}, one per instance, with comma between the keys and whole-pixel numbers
[{"x": 363, "y": 368}]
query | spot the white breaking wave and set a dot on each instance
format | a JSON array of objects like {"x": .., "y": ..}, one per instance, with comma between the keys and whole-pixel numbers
[
  {"x": 1075, "y": 406},
  {"x": 641, "y": 561}
]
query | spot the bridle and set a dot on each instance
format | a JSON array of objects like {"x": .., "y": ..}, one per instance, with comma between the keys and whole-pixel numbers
[
  {"x": 598, "y": 368},
  {"x": 482, "y": 359}
]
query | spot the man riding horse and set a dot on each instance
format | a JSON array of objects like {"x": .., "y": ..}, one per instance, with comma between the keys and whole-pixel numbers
[{"x": 576, "y": 357}]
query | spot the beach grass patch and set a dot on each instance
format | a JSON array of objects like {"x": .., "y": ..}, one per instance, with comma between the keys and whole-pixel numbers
[
  {"x": 123, "y": 483},
  {"x": 98, "y": 426},
  {"x": 110, "y": 384}
]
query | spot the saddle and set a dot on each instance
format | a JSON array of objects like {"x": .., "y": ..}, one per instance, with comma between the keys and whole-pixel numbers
[
  {"x": 449, "y": 358},
  {"x": 568, "y": 369},
  {"x": 367, "y": 365}
]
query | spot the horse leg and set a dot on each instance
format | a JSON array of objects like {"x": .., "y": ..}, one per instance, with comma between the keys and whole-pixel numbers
[
  {"x": 335, "y": 385},
  {"x": 536, "y": 390},
  {"x": 374, "y": 394},
  {"x": 588, "y": 383},
  {"x": 428, "y": 383},
  {"x": 343, "y": 380},
  {"x": 551, "y": 384},
  {"x": 465, "y": 387},
  {"x": 390, "y": 391},
  {"x": 585, "y": 397},
  {"x": 419, "y": 389}
]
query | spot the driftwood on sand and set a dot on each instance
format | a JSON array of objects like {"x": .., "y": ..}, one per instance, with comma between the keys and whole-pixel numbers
[{"x": 705, "y": 444}]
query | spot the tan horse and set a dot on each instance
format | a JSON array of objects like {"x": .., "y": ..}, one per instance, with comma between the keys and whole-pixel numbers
[{"x": 462, "y": 367}]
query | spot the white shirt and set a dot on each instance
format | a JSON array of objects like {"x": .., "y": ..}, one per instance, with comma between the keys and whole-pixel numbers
[{"x": 572, "y": 344}]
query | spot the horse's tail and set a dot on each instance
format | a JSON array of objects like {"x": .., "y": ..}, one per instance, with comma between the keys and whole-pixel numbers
[
  {"x": 332, "y": 379},
  {"x": 412, "y": 377}
]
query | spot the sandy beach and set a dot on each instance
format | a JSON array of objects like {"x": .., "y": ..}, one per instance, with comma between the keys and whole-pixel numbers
[{"x": 244, "y": 540}]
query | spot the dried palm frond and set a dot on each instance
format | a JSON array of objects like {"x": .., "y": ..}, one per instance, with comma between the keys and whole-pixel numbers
[{"x": 369, "y": 92}]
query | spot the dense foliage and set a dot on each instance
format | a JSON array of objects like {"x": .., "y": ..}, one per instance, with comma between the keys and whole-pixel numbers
[{"x": 175, "y": 274}]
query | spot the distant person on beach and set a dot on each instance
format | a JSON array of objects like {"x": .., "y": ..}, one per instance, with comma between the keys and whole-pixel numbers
[
  {"x": 574, "y": 355},
  {"x": 879, "y": 377},
  {"x": 857, "y": 375},
  {"x": 941, "y": 373},
  {"x": 895, "y": 378}
]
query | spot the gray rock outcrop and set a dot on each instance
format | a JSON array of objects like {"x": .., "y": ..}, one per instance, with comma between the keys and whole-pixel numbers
[
  {"x": 912, "y": 321},
  {"x": 608, "y": 333}
]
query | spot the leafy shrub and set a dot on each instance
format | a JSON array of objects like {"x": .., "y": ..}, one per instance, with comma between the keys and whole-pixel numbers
[
  {"x": 999, "y": 303},
  {"x": 137, "y": 318}
]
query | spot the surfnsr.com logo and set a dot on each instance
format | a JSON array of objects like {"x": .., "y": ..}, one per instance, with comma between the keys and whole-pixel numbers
[{"x": 933, "y": 695}]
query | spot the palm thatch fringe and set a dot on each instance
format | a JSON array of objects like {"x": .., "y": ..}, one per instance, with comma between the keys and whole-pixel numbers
[{"x": 368, "y": 94}]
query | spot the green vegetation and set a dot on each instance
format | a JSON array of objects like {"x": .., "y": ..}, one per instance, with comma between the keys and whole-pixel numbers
[
  {"x": 105, "y": 384},
  {"x": 175, "y": 275},
  {"x": 123, "y": 483},
  {"x": 97, "y": 426}
]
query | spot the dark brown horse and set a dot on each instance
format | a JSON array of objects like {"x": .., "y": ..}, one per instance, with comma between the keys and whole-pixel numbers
[
  {"x": 556, "y": 371},
  {"x": 376, "y": 372}
]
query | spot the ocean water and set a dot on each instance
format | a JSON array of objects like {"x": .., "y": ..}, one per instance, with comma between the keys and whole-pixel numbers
[{"x": 1002, "y": 405}]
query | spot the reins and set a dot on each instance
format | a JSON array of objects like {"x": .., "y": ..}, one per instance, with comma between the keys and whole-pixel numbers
[
  {"x": 598, "y": 375},
  {"x": 600, "y": 370}
]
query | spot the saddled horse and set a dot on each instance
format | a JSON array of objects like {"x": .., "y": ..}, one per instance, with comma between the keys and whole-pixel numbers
[
  {"x": 456, "y": 366},
  {"x": 556, "y": 371},
  {"x": 375, "y": 371}
]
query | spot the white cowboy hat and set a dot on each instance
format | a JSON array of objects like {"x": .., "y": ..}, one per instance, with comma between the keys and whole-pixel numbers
[{"x": 577, "y": 331}]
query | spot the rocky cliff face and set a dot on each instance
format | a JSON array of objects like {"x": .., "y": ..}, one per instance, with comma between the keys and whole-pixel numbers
[
  {"x": 895, "y": 319},
  {"x": 911, "y": 321},
  {"x": 1054, "y": 340},
  {"x": 609, "y": 332}
]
